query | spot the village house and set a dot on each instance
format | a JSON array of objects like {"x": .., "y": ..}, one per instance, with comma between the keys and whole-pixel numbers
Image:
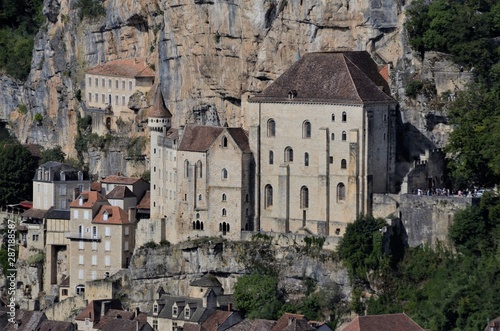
[
  {"x": 102, "y": 240},
  {"x": 386, "y": 322},
  {"x": 108, "y": 89}
]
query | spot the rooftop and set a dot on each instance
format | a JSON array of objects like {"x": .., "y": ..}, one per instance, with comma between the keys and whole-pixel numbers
[
  {"x": 130, "y": 68},
  {"x": 115, "y": 179},
  {"x": 120, "y": 192},
  {"x": 115, "y": 215},
  {"x": 329, "y": 77},
  {"x": 387, "y": 322},
  {"x": 89, "y": 199},
  {"x": 199, "y": 138}
]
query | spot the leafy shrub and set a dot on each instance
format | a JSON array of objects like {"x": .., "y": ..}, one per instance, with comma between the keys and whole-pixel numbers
[
  {"x": 38, "y": 117},
  {"x": 414, "y": 88},
  {"x": 22, "y": 109},
  {"x": 91, "y": 9},
  {"x": 150, "y": 244}
]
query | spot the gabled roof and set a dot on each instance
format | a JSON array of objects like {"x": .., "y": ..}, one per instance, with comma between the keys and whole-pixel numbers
[
  {"x": 254, "y": 325},
  {"x": 26, "y": 320},
  {"x": 208, "y": 280},
  {"x": 116, "y": 215},
  {"x": 93, "y": 309},
  {"x": 387, "y": 322},
  {"x": 120, "y": 192},
  {"x": 145, "y": 202},
  {"x": 34, "y": 213},
  {"x": 58, "y": 214},
  {"x": 217, "y": 318},
  {"x": 329, "y": 77},
  {"x": 199, "y": 138},
  {"x": 90, "y": 198},
  {"x": 129, "y": 68},
  {"x": 285, "y": 320},
  {"x": 114, "y": 179},
  {"x": 71, "y": 173},
  {"x": 158, "y": 108},
  {"x": 197, "y": 312},
  {"x": 55, "y": 326}
]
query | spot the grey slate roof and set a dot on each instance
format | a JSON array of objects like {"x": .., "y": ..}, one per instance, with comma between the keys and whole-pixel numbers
[
  {"x": 208, "y": 280},
  {"x": 199, "y": 138},
  {"x": 198, "y": 313},
  {"x": 120, "y": 192},
  {"x": 329, "y": 77},
  {"x": 71, "y": 173},
  {"x": 58, "y": 214}
]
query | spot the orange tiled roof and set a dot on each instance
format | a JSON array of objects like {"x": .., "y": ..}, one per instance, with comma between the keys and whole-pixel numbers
[
  {"x": 131, "y": 68},
  {"x": 116, "y": 215},
  {"x": 113, "y": 179},
  {"x": 159, "y": 109},
  {"x": 89, "y": 199},
  {"x": 145, "y": 201},
  {"x": 387, "y": 322},
  {"x": 285, "y": 320}
]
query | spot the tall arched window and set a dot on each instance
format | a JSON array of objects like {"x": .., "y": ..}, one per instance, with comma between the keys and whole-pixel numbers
[
  {"x": 306, "y": 129},
  {"x": 224, "y": 173},
  {"x": 343, "y": 164},
  {"x": 288, "y": 154},
  {"x": 306, "y": 159},
  {"x": 199, "y": 165},
  {"x": 344, "y": 136},
  {"x": 333, "y": 117},
  {"x": 224, "y": 141},
  {"x": 332, "y": 136},
  {"x": 271, "y": 157},
  {"x": 271, "y": 128},
  {"x": 186, "y": 168},
  {"x": 304, "y": 197},
  {"x": 224, "y": 212},
  {"x": 340, "y": 192},
  {"x": 268, "y": 196},
  {"x": 344, "y": 116},
  {"x": 224, "y": 197}
]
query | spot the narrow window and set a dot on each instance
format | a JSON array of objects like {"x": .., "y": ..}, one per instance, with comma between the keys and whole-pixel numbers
[
  {"x": 123, "y": 84},
  {"x": 116, "y": 84},
  {"x": 332, "y": 136},
  {"x": 340, "y": 192},
  {"x": 130, "y": 85},
  {"x": 333, "y": 117},
  {"x": 224, "y": 197},
  {"x": 343, "y": 164},
  {"x": 123, "y": 100},
  {"x": 306, "y": 129},
  {"x": 109, "y": 83},
  {"x": 96, "y": 82},
  {"x": 288, "y": 154},
  {"x": 90, "y": 82},
  {"x": 268, "y": 196},
  {"x": 344, "y": 116},
  {"x": 224, "y": 212},
  {"x": 186, "y": 168},
  {"x": 224, "y": 174},
  {"x": 103, "y": 82},
  {"x": 103, "y": 98},
  {"x": 200, "y": 169},
  {"x": 200, "y": 197},
  {"x": 271, "y": 128},
  {"x": 96, "y": 97},
  {"x": 271, "y": 157},
  {"x": 224, "y": 141},
  {"x": 304, "y": 197},
  {"x": 90, "y": 97},
  {"x": 116, "y": 100},
  {"x": 344, "y": 136},
  {"x": 306, "y": 159}
]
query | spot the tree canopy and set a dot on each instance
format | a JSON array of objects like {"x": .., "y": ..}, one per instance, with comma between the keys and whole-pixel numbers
[
  {"x": 52, "y": 154},
  {"x": 257, "y": 296},
  {"x": 17, "y": 169}
]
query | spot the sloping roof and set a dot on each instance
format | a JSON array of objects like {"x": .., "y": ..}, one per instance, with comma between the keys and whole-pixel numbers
[
  {"x": 145, "y": 202},
  {"x": 93, "y": 309},
  {"x": 494, "y": 323},
  {"x": 71, "y": 173},
  {"x": 299, "y": 325},
  {"x": 158, "y": 108},
  {"x": 339, "y": 77},
  {"x": 26, "y": 320},
  {"x": 131, "y": 68},
  {"x": 89, "y": 199},
  {"x": 116, "y": 215},
  {"x": 55, "y": 326},
  {"x": 34, "y": 213},
  {"x": 387, "y": 322},
  {"x": 111, "y": 316},
  {"x": 208, "y": 280},
  {"x": 58, "y": 214},
  {"x": 285, "y": 320},
  {"x": 199, "y": 138},
  {"x": 35, "y": 149},
  {"x": 113, "y": 179},
  {"x": 120, "y": 192},
  {"x": 96, "y": 186},
  {"x": 240, "y": 138},
  {"x": 217, "y": 318},
  {"x": 254, "y": 325},
  {"x": 197, "y": 312},
  {"x": 192, "y": 327}
]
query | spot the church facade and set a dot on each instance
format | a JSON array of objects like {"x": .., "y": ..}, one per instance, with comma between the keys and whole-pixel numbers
[{"x": 320, "y": 142}]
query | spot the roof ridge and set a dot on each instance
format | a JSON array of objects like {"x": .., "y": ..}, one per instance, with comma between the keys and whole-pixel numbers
[{"x": 345, "y": 58}]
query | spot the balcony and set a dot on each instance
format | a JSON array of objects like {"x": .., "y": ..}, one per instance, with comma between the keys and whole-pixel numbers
[{"x": 82, "y": 236}]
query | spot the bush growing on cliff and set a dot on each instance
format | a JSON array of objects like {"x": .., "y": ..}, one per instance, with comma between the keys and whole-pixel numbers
[
  {"x": 256, "y": 295},
  {"x": 90, "y": 9}
]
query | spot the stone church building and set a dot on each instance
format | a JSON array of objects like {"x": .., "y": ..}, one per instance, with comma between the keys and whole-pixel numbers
[{"x": 320, "y": 142}]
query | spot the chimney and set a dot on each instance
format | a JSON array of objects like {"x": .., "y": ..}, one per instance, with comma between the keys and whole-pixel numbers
[{"x": 132, "y": 214}]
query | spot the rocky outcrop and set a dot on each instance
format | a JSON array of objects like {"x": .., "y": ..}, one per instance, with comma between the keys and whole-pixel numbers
[
  {"x": 175, "y": 267},
  {"x": 208, "y": 54}
]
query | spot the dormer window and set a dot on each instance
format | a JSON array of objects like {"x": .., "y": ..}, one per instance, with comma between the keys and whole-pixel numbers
[
  {"x": 292, "y": 94},
  {"x": 187, "y": 313},
  {"x": 155, "y": 309},
  {"x": 80, "y": 201},
  {"x": 175, "y": 311},
  {"x": 105, "y": 216}
]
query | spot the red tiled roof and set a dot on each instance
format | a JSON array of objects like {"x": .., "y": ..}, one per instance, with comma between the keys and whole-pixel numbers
[
  {"x": 34, "y": 213},
  {"x": 285, "y": 320},
  {"x": 113, "y": 179},
  {"x": 199, "y": 138},
  {"x": 217, "y": 318},
  {"x": 93, "y": 309},
  {"x": 388, "y": 322},
  {"x": 95, "y": 186},
  {"x": 130, "y": 68},
  {"x": 340, "y": 77},
  {"x": 116, "y": 215},
  {"x": 120, "y": 192},
  {"x": 55, "y": 326},
  {"x": 89, "y": 199},
  {"x": 145, "y": 202}
]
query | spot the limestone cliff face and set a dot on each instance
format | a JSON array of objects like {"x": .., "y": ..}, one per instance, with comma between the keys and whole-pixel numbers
[
  {"x": 207, "y": 54},
  {"x": 175, "y": 267}
]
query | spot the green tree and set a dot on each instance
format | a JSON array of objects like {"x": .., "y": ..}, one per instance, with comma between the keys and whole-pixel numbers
[
  {"x": 474, "y": 142},
  {"x": 17, "y": 168},
  {"x": 256, "y": 295},
  {"x": 52, "y": 154}
]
